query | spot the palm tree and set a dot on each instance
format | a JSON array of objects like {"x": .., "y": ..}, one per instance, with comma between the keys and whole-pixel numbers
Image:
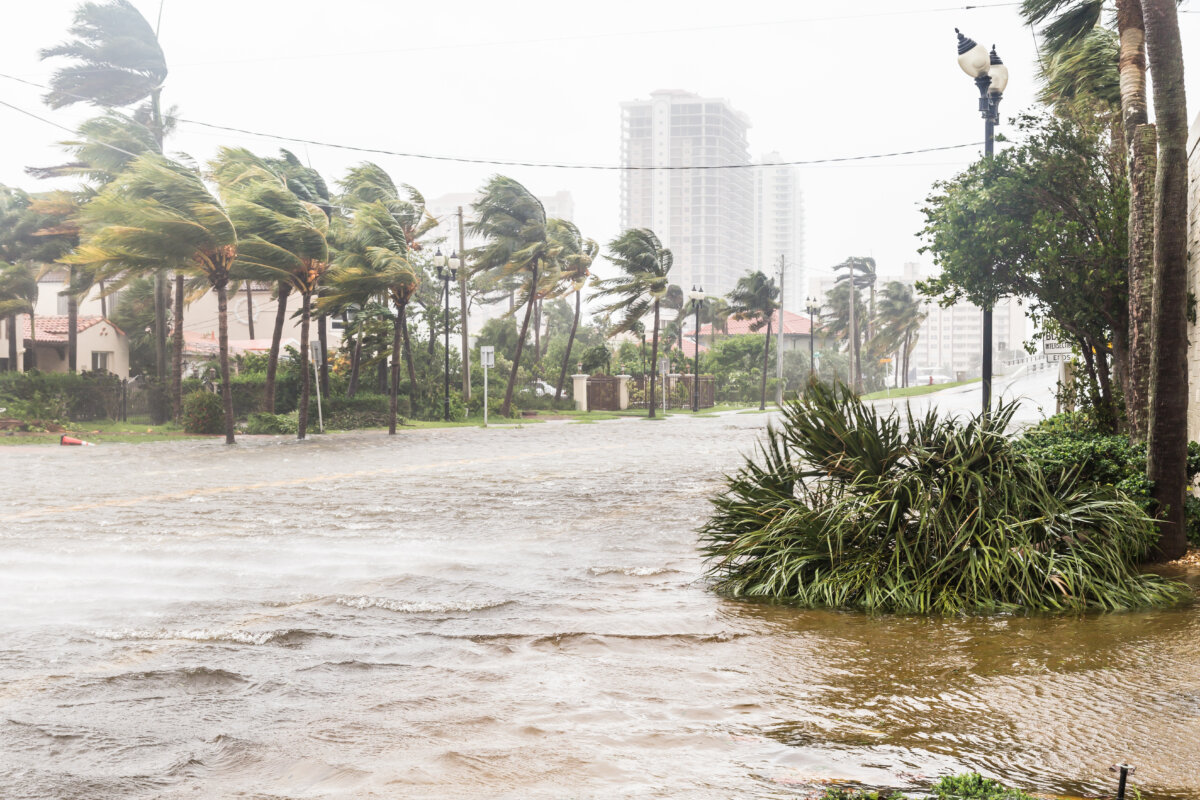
[
  {"x": 372, "y": 262},
  {"x": 641, "y": 286},
  {"x": 574, "y": 266},
  {"x": 280, "y": 237},
  {"x": 754, "y": 299},
  {"x": 865, "y": 267},
  {"x": 116, "y": 61},
  {"x": 843, "y": 321},
  {"x": 159, "y": 212},
  {"x": 513, "y": 222},
  {"x": 18, "y": 295},
  {"x": 900, "y": 316},
  {"x": 1167, "y": 449}
]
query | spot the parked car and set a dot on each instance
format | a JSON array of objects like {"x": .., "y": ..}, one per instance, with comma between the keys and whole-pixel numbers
[{"x": 541, "y": 389}]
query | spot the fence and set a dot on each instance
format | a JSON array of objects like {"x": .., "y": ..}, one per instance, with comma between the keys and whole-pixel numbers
[
  {"x": 604, "y": 393},
  {"x": 677, "y": 388}
]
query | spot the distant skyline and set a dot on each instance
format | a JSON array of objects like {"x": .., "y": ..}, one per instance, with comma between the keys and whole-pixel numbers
[{"x": 542, "y": 81}]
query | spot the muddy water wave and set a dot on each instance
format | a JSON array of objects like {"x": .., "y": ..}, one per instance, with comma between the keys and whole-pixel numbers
[{"x": 509, "y": 613}]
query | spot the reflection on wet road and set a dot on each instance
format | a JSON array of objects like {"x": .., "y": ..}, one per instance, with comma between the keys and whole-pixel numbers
[{"x": 512, "y": 613}]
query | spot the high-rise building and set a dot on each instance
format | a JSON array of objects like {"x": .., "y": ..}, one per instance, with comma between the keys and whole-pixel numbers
[
  {"x": 705, "y": 216},
  {"x": 779, "y": 227}
]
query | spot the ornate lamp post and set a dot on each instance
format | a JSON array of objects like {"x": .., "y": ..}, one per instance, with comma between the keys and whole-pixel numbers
[
  {"x": 991, "y": 78},
  {"x": 812, "y": 307},
  {"x": 697, "y": 297},
  {"x": 447, "y": 275}
]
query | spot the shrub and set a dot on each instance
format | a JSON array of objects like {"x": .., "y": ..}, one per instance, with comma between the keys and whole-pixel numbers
[
  {"x": 354, "y": 420},
  {"x": 61, "y": 395},
  {"x": 261, "y": 422},
  {"x": 202, "y": 413},
  {"x": 362, "y": 401},
  {"x": 969, "y": 786},
  {"x": 1070, "y": 443},
  {"x": 845, "y": 508}
]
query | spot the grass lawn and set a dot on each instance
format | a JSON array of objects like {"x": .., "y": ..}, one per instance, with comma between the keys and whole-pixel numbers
[
  {"x": 105, "y": 431},
  {"x": 916, "y": 390}
]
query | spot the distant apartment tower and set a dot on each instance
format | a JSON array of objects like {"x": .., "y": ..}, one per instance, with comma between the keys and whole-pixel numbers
[
  {"x": 779, "y": 227},
  {"x": 706, "y": 216}
]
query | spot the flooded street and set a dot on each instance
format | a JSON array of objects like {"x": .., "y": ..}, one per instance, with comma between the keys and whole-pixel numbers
[{"x": 508, "y": 613}]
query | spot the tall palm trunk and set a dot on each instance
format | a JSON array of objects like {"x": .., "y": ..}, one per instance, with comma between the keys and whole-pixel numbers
[
  {"x": 305, "y": 377},
  {"x": 11, "y": 322},
  {"x": 323, "y": 339},
  {"x": 355, "y": 364},
  {"x": 762, "y": 402},
  {"x": 72, "y": 329},
  {"x": 177, "y": 356},
  {"x": 653, "y": 360},
  {"x": 397, "y": 326},
  {"x": 408, "y": 358},
  {"x": 1141, "y": 161},
  {"x": 158, "y": 411},
  {"x": 512, "y": 375},
  {"x": 1167, "y": 448},
  {"x": 562, "y": 375},
  {"x": 33, "y": 359},
  {"x": 223, "y": 344},
  {"x": 276, "y": 338},
  {"x": 537, "y": 331}
]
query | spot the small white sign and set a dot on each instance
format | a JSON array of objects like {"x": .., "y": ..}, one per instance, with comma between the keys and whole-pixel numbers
[{"x": 487, "y": 356}]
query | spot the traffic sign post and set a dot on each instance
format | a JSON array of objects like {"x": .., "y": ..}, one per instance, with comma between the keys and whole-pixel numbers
[
  {"x": 316, "y": 357},
  {"x": 487, "y": 358}
]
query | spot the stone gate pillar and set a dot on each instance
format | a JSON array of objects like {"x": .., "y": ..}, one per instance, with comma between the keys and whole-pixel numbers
[{"x": 579, "y": 391}]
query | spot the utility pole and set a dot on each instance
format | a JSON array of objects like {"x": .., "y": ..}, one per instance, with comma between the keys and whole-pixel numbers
[
  {"x": 779, "y": 341},
  {"x": 462, "y": 300}
]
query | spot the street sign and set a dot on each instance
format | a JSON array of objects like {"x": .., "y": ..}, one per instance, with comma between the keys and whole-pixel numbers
[
  {"x": 487, "y": 356},
  {"x": 885, "y": 361},
  {"x": 1051, "y": 347}
]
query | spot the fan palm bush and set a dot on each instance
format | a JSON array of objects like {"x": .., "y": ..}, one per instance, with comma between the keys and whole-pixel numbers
[{"x": 847, "y": 508}]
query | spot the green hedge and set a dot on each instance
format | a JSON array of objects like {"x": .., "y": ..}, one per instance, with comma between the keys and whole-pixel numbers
[
  {"x": 249, "y": 391},
  {"x": 76, "y": 397},
  {"x": 202, "y": 413}
]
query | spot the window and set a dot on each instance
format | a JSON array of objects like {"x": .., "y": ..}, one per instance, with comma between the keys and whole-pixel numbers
[
  {"x": 100, "y": 361},
  {"x": 63, "y": 301}
]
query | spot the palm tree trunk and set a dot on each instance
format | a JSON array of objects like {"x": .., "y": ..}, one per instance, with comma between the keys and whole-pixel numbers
[
  {"x": 408, "y": 359},
  {"x": 72, "y": 328},
  {"x": 177, "y": 356},
  {"x": 305, "y": 376},
  {"x": 1141, "y": 143},
  {"x": 562, "y": 375},
  {"x": 160, "y": 344},
  {"x": 323, "y": 338},
  {"x": 537, "y": 331},
  {"x": 653, "y": 360},
  {"x": 273, "y": 356},
  {"x": 250, "y": 308},
  {"x": 397, "y": 326},
  {"x": 355, "y": 363},
  {"x": 1167, "y": 449},
  {"x": 33, "y": 359},
  {"x": 223, "y": 342},
  {"x": 762, "y": 402},
  {"x": 512, "y": 376},
  {"x": 12, "y": 343},
  {"x": 103, "y": 302}
]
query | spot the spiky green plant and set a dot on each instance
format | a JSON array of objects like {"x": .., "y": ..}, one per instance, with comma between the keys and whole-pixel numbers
[{"x": 847, "y": 508}]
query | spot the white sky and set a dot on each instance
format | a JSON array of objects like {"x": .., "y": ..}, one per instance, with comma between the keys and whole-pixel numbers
[{"x": 538, "y": 80}]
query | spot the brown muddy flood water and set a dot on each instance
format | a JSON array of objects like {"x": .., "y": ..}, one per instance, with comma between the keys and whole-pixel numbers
[{"x": 510, "y": 613}]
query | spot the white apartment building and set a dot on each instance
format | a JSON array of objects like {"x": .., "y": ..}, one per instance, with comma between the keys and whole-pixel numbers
[
  {"x": 779, "y": 227},
  {"x": 705, "y": 216}
]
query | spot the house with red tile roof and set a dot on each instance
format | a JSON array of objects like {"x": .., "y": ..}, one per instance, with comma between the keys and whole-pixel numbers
[
  {"x": 100, "y": 345},
  {"x": 796, "y": 333}
]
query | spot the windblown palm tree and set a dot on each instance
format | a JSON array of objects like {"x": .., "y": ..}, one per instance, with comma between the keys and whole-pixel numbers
[
  {"x": 159, "y": 212},
  {"x": 18, "y": 295},
  {"x": 372, "y": 262},
  {"x": 864, "y": 279},
  {"x": 280, "y": 237},
  {"x": 839, "y": 320},
  {"x": 575, "y": 258},
  {"x": 641, "y": 287},
  {"x": 899, "y": 319},
  {"x": 513, "y": 222},
  {"x": 755, "y": 299}
]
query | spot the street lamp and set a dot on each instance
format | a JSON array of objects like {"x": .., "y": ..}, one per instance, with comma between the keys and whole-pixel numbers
[
  {"x": 447, "y": 275},
  {"x": 991, "y": 78},
  {"x": 812, "y": 307},
  {"x": 697, "y": 296}
]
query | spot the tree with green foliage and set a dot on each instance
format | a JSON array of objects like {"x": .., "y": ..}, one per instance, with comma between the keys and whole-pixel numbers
[
  {"x": 755, "y": 298},
  {"x": 575, "y": 256},
  {"x": 840, "y": 320},
  {"x": 1045, "y": 220},
  {"x": 517, "y": 246},
  {"x": 898, "y": 324},
  {"x": 18, "y": 295},
  {"x": 159, "y": 212},
  {"x": 639, "y": 288}
]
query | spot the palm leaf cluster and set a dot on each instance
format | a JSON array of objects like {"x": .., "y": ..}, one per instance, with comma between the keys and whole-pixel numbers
[{"x": 846, "y": 508}]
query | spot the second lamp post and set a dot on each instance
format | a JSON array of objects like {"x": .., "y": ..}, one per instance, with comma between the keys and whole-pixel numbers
[
  {"x": 447, "y": 271},
  {"x": 697, "y": 296},
  {"x": 991, "y": 78}
]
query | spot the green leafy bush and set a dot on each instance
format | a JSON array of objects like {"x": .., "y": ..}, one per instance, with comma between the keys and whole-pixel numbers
[
  {"x": 969, "y": 786},
  {"x": 363, "y": 401},
  {"x": 61, "y": 395},
  {"x": 1070, "y": 443},
  {"x": 846, "y": 508},
  {"x": 262, "y": 423},
  {"x": 249, "y": 392},
  {"x": 355, "y": 420},
  {"x": 202, "y": 413}
]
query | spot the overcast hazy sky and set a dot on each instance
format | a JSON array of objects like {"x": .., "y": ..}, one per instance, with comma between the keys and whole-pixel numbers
[{"x": 541, "y": 81}]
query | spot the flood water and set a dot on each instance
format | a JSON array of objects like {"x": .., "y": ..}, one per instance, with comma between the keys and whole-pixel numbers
[{"x": 509, "y": 613}]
